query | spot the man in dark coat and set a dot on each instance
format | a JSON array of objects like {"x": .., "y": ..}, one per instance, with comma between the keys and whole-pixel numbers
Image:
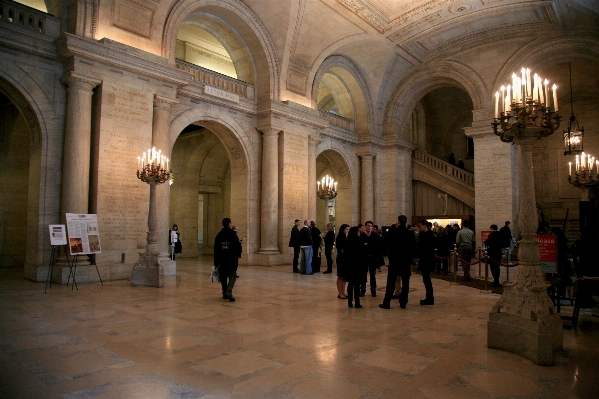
[
  {"x": 294, "y": 243},
  {"x": 227, "y": 251},
  {"x": 370, "y": 249},
  {"x": 305, "y": 242},
  {"x": 401, "y": 244},
  {"x": 506, "y": 235},
  {"x": 494, "y": 243},
  {"x": 316, "y": 242},
  {"x": 425, "y": 253}
]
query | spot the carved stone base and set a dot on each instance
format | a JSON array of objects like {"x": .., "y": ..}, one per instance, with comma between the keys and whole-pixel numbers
[
  {"x": 169, "y": 266},
  {"x": 148, "y": 271},
  {"x": 535, "y": 340}
]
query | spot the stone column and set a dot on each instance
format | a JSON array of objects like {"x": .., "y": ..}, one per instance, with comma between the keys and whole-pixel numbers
[
  {"x": 312, "y": 141},
  {"x": 367, "y": 211},
  {"x": 269, "y": 208},
  {"x": 161, "y": 140},
  {"x": 77, "y": 143}
]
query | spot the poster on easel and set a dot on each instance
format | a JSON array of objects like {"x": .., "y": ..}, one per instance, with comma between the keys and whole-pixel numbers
[
  {"x": 83, "y": 234},
  {"x": 58, "y": 234}
]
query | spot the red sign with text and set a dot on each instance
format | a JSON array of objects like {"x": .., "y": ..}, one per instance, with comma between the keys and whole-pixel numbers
[
  {"x": 548, "y": 249},
  {"x": 485, "y": 235}
]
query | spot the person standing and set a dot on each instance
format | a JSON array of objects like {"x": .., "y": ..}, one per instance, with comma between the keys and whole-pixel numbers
[
  {"x": 341, "y": 244},
  {"x": 294, "y": 243},
  {"x": 329, "y": 242},
  {"x": 443, "y": 247},
  {"x": 371, "y": 250},
  {"x": 354, "y": 268},
  {"x": 494, "y": 243},
  {"x": 401, "y": 244},
  {"x": 305, "y": 242},
  {"x": 425, "y": 253},
  {"x": 316, "y": 242},
  {"x": 173, "y": 238},
  {"x": 465, "y": 242},
  {"x": 506, "y": 236},
  {"x": 227, "y": 251}
]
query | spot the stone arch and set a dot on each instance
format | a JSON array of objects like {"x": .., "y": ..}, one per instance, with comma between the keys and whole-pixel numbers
[
  {"x": 414, "y": 87},
  {"x": 345, "y": 171},
  {"x": 231, "y": 135},
  {"x": 353, "y": 78},
  {"x": 45, "y": 130},
  {"x": 247, "y": 25}
]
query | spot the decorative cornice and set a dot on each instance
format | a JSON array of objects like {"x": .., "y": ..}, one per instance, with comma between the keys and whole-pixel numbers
[
  {"x": 291, "y": 111},
  {"x": 165, "y": 100},
  {"x": 73, "y": 46},
  {"x": 71, "y": 77}
]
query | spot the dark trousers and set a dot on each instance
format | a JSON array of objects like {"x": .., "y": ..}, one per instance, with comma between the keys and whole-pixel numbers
[
  {"x": 328, "y": 252},
  {"x": 428, "y": 284},
  {"x": 495, "y": 269},
  {"x": 296, "y": 253},
  {"x": 353, "y": 291},
  {"x": 392, "y": 275},
  {"x": 227, "y": 281},
  {"x": 372, "y": 271}
]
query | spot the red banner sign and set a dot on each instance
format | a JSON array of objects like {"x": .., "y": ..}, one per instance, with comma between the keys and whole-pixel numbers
[{"x": 548, "y": 249}]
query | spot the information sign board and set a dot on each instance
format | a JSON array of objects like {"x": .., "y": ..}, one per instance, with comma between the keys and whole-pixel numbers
[
  {"x": 83, "y": 232},
  {"x": 548, "y": 249}
]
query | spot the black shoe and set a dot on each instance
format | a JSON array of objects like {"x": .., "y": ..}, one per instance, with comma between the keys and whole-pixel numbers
[
  {"x": 309, "y": 274},
  {"x": 383, "y": 306},
  {"x": 362, "y": 293},
  {"x": 373, "y": 293},
  {"x": 350, "y": 305},
  {"x": 402, "y": 305},
  {"x": 302, "y": 272},
  {"x": 327, "y": 272},
  {"x": 296, "y": 270},
  {"x": 341, "y": 297},
  {"x": 231, "y": 299},
  {"x": 395, "y": 297},
  {"x": 427, "y": 302},
  {"x": 358, "y": 306},
  {"x": 225, "y": 296},
  {"x": 466, "y": 279}
]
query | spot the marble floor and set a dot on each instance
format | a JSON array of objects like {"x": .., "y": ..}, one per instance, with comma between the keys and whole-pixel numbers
[{"x": 286, "y": 336}]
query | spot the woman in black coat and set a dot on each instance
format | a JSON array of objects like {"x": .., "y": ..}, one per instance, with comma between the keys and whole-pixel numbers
[
  {"x": 340, "y": 244},
  {"x": 353, "y": 267}
]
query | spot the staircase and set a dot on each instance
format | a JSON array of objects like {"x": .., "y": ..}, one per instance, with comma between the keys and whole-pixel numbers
[{"x": 445, "y": 176}]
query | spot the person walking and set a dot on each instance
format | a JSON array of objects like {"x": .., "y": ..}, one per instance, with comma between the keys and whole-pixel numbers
[
  {"x": 227, "y": 251},
  {"x": 494, "y": 242},
  {"x": 305, "y": 242},
  {"x": 425, "y": 253},
  {"x": 354, "y": 267},
  {"x": 294, "y": 243},
  {"x": 329, "y": 242},
  {"x": 175, "y": 243},
  {"x": 465, "y": 242},
  {"x": 401, "y": 244}
]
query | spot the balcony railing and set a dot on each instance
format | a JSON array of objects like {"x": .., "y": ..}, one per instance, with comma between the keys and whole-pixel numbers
[
  {"x": 29, "y": 18},
  {"x": 444, "y": 167},
  {"x": 215, "y": 79},
  {"x": 337, "y": 120}
]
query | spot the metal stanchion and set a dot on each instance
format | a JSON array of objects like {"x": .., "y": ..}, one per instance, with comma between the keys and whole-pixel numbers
[
  {"x": 479, "y": 262},
  {"x": 507, "y": 268},
  {"x": 486, "y": 269},
  {"x": 455, "y": 263}
]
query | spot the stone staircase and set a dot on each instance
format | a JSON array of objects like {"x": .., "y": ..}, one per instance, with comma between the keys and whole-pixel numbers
[{"x": 444, "y": 176}]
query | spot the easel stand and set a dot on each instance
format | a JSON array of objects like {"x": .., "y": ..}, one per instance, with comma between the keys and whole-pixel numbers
[
  {"x": 73, "y": 270},
  {"x": 55, "y": 255}
]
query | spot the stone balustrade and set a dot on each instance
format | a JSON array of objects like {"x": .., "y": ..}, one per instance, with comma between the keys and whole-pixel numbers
[
  {"x": 215, "y": 79},
  {"x": 26, "y": 17},
  {"x": 337, "y": 120},
  {"x": 445, "y": 167}
]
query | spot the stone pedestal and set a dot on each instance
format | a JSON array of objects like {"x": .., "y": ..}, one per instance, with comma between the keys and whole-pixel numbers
[
  {"x": 148, "y": 271},
  {"x": 169, "y": 266},
  {"x": 535, "y": 340}
]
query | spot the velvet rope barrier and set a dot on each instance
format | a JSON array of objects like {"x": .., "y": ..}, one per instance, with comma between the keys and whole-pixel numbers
[
  {"x": 503, "y": 264},
  {"x": 468, "y": 263}
]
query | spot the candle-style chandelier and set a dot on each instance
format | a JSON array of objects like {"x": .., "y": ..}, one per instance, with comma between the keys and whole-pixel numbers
[
  {"x": 583, "y": 171},
  {"x": 573, "y": 137},
  {"x": 327, "y": 189},
  {"x": 154, "y": 167},
  {"x": 526, "y": 104}
]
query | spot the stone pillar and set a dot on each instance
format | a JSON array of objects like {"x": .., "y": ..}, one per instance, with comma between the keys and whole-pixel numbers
[
  {"x": 269, "y": 207},
  {"x": 77, "y": 143},
  {"x": 312, "y": 141},
  {"x": 161, "y": 140},
  {"x": 367, "y": 211}
]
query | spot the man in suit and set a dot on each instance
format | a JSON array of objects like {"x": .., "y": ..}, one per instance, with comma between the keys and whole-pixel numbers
[
  {"x": 401, "y": 244},
  {"x": 371, "y": 250},
  {"x": 425, "y": 253},
  {"x": 227, "y": 251},
  {"x": 294, "y": 243}
]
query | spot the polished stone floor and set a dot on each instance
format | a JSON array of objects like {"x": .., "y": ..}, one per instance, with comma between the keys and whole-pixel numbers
[{"x": 286, "y": 336}]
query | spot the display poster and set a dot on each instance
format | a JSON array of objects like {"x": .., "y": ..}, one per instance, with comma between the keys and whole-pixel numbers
[
  {"x": 58, "y": 234},
  {"x": 485, "y": 235},
  {"x": 548, "y": 249},
  {"x": 83, "y": 232}
]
